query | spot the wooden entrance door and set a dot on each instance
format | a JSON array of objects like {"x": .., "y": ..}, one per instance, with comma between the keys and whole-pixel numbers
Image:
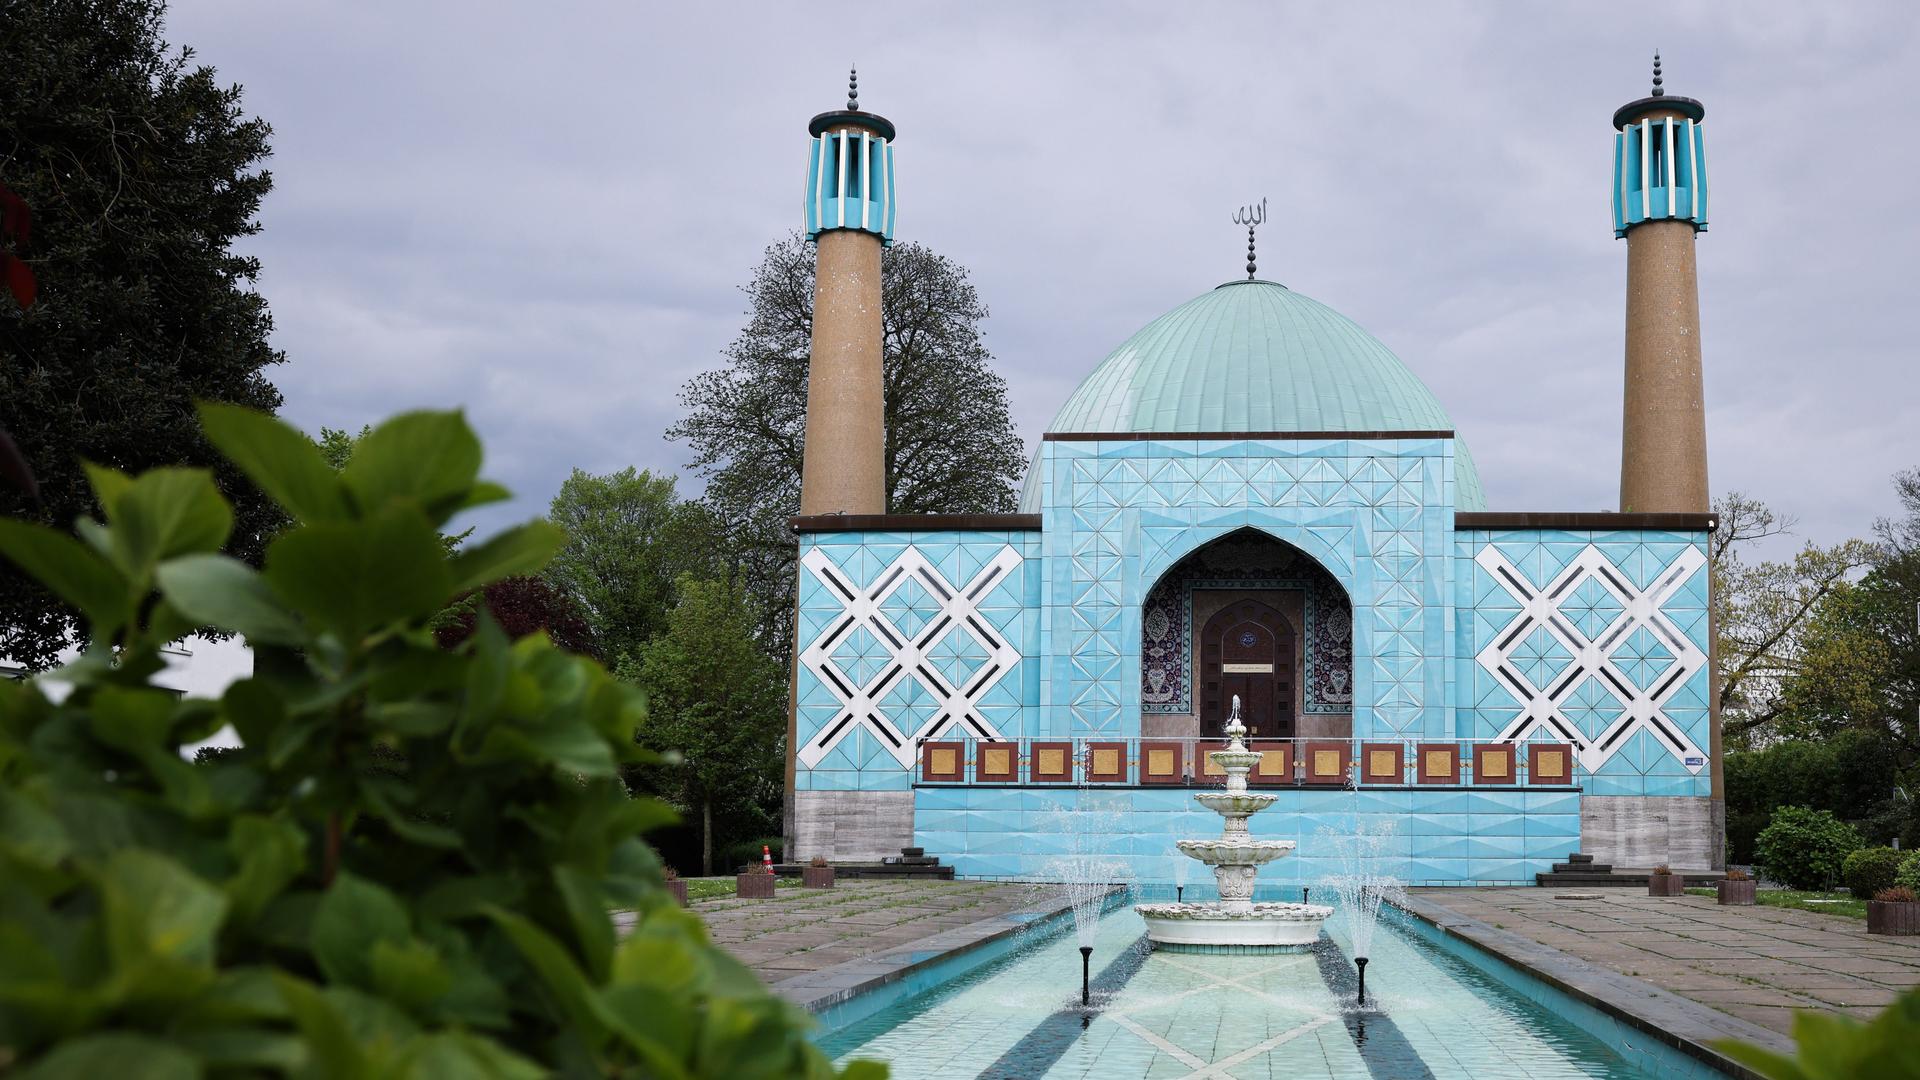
[{"x": 1247, "y": 649}]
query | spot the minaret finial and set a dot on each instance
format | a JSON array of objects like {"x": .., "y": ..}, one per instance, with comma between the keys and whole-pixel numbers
[
  {"x": 853, "y": 88},
  {"x": 1657, "y": 91},
  {"x": 1251, "y": 216}
]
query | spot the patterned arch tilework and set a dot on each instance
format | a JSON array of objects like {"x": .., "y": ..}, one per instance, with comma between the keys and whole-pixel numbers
[
  {"x": 1376, "y": 514},
  {"x": 908, "y": 636},
  {"x": 1599, "y": 638},
  {"x": 1166, "y": 641}
]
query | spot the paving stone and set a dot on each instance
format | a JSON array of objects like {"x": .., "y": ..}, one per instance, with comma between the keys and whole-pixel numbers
[{"x": 1757, "y": 963}]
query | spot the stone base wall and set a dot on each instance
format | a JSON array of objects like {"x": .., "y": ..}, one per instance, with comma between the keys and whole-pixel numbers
[
  {"x": 851, "y": 826},
  {"x": 1642, "y": 831}
]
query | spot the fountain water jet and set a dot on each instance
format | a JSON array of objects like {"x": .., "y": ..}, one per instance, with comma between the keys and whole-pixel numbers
[
  {"x": 1235, "y": 923},
  {"x": 1362, "y": 887}
]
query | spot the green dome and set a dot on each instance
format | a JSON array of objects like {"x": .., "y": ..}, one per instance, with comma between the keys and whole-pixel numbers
[{"x": 1255, "y": 356}]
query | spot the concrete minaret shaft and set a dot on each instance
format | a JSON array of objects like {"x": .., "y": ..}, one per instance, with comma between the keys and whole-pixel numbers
[
  {"x": 1660, "y": 196},
  {"x": 849, "y": 214}
]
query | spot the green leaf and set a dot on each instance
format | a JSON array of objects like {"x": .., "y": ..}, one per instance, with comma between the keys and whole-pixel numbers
[
  {"x": 74, "y": 573},
  {"x": 463, "y": 1054},
  {"x": 248, "y": 1051},
  {"x": 430, "y": 458},
  {"x": 354, "y": 915},
  {"x": 356, "y": 578},
  {"x": 664, "y": 954},
  {"x": 331, "y": 1041},
  {"x": 166, "y": 513},
  {"x": 30, "y": 832},
  {"x": 156, "y": 908},
  {"x": 214, "y": 590},
  {"x": 483, "y": 493},
  {"x": 587, "y": 911},
  {"x": 522, "y": 549},
  {"x": 409, "y": 973},
  {"x": 270, "y": 854},
  {"x": 108, "y": 485},
  {"x": 413, "y": 719},
  {"x": 134, "y": 720},
  {"x": 283, "y": 462},
  {"x": 115, "y": 1054}
]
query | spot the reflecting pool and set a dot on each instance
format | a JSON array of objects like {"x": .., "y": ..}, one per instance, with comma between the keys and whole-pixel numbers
[{"x": 1292, "y": 1016}]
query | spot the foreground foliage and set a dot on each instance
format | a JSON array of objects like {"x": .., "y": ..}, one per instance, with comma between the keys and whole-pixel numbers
[
  {"x": 406, "y": 869},
  {"x": 1833, "y": 1047}
]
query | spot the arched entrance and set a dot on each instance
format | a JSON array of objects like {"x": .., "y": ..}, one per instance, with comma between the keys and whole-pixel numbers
[
  {"x": 1247, "y": 650},
  {"x": 1302, "y": 625}
]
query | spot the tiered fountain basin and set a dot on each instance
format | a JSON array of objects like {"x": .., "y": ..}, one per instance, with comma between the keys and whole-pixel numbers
[
  {"x": 1234, "y": 924},
  {"x": 1215, "y": 928}
]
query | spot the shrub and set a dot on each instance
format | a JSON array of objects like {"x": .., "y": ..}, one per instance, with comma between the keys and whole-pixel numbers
[
  {"x": 1737, "y": 874},
  {"x": 1909, "y": 872},
  {"x": 818, "y": 860},
  {"x": 1898, "y": 894},
  {"x": 406, "y": 868},
  {"x": 1869, "y": 870},
  {"x": 1804, "y": 848},
  {"x": 747, "y": 852},
  {"x": 1663, "y": 870}
]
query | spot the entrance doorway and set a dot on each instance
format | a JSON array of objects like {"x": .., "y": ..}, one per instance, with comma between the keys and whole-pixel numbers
[{"x": 1247, "y": 649}]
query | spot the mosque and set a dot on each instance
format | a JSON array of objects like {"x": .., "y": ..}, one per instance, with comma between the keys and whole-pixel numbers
[{"x": 1254, "y": 498}]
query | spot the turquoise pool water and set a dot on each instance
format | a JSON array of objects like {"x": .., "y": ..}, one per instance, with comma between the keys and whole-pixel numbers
[{"x": 1157, "y": 1014}]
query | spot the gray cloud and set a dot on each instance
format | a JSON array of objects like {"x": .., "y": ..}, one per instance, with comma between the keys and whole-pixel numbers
[{"x": 544, "y": 215}]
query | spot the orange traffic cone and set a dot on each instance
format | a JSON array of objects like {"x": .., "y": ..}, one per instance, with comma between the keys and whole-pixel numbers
[{"x": 766, "y": 858}]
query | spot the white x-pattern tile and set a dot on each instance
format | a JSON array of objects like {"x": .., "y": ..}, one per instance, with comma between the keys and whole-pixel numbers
[
  {"x": 1602, "y": 656},
  {"x": 917, "y": 656}
]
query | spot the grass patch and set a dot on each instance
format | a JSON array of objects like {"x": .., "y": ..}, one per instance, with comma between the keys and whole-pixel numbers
[
  {"x": 714, "y": 888},
  {"x": 1841, "y": 904}
]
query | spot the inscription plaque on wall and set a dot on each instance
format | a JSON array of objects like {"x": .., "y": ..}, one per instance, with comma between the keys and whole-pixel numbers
[{"x": 1246, "y": 669}]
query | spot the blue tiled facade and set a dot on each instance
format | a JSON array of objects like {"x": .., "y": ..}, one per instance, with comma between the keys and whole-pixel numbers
[{"x": 1595, "y": 638}]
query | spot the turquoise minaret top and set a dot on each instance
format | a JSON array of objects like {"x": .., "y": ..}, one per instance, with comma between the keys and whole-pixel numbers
[
  {"x": 850, "y": 170},
  {"x": 1659, "y": 160}
]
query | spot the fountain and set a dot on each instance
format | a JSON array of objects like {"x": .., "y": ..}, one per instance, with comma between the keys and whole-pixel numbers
[
  {"x": 1363, "y": 888},
  {"x": 1235, "y": 923}
]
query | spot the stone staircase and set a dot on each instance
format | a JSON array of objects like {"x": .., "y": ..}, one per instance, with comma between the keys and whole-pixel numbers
[
  {"x": 912, "y": 862},
  {"x": 1581, "y": 872}
]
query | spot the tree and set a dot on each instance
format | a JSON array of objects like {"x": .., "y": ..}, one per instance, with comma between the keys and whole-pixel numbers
[
  {"x": 1762, "y": 611},
  {"x": 950, "y": 445},
  {"x": 1862, "y": 664},
  {"x": 716, "y": 698},
  {"x": 630, "y": 538},
  {"x": 407, "y": 867},
  {"x": 142, "y": 171},
  {"x": 519, "y": 605}
]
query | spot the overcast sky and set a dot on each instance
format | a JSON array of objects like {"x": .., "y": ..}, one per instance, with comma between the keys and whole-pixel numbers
[{"x": 543, "y": 212}]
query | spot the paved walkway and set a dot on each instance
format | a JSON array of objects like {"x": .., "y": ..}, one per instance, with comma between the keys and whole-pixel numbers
[
  {"x": 1757, "y": 963},
  {"x": 802, "y": 931}
]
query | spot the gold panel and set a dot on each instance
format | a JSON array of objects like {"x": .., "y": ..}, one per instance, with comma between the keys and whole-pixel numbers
[
  {"x": 1494, "y": 763},
  {"x": 1551, "y": 763},
  {"x": 1053, "y": 761},
  {"x": 1380, "y": 763},
  {"x": 1273, "y": 762},
  {"x": 1210, "y": 767},
  {"x": 1439, "y": 763},
  {"x": 1326, "y": 762},
  {"x": 1159, "y": 763},
  {"x": 1106, "y": 762},
  {"x": 999, "y": 760},
  {"x": 945, "y": 760}
]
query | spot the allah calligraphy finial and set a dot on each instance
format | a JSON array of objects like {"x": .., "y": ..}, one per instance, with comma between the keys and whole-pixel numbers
[
  {"x": 1658, "y": 91},
  {"x": 1251, "y": 216},
  {"x": 853, "y": 89}
]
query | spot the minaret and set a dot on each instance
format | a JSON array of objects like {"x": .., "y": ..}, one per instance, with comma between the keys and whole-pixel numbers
[
  {"x": 1659, "y": 203},
  {"x": 849, "y": 212},
  {"x": 849, "y": 217}
]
